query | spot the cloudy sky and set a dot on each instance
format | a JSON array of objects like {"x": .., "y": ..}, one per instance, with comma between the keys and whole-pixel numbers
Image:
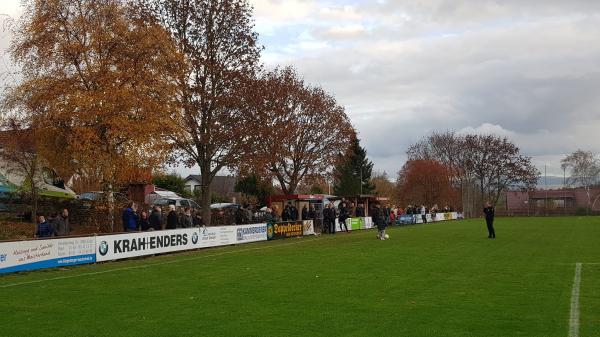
[{"x": 525, "y": 69}]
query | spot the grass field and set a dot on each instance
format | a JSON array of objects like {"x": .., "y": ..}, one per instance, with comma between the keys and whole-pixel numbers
[{"x": 443, "y": 279}]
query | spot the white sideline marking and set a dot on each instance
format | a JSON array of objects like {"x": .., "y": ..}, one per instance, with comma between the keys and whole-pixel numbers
[
  {"x": 574, "y": 317},
  {"x": 155, "y": 264}
]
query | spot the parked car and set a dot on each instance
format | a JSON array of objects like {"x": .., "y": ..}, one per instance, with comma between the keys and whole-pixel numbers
[
  {"x": 225, "y": 205},
  {"x": 96, "y": 197},
  {"x": 178, "y": 202},
  {"x": 99, "y": 195}
]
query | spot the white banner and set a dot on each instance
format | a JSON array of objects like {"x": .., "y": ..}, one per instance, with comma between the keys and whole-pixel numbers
[
  {"x": 217, "y": 236},
  {"x": 49, "y": 253},
  {"x": 368, "y": 221},
  {"x": 122, "y": 246},
  {"x": 251, "y": 233},
  {"x": 308, "y": 227}
]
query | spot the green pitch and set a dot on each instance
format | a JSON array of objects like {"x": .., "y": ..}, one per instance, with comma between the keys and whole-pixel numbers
[{"x": 443, "y": 279}]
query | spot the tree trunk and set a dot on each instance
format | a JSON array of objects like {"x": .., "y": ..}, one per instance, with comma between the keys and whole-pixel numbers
[
  {"x": 110, "y": 200},
  {"x": 206, "y": 196},
  {"x": 34, "y": 203},
  {"x": 587, "y": 190}
]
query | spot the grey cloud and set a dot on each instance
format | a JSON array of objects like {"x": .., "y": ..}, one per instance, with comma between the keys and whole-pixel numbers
[{"x": 535, "y": 75}]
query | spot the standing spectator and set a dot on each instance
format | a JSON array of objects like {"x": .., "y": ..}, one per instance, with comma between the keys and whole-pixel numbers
[
  {"x": 360, "y": 211},
  {"x": 424, "y": 214},
  {"x": 269, "y": 218},
  {"x": 379, "y": 220},
  {"x": 186, "y": 218},
  {"x": 156, "y": 219},
  {"x": 198, "y": 221},
  {"x": 329, "y": 219},
  {"x": 312, "y": 213},
  {"x": 172, "y": 218},
  {"x": 144, "y": 223},
  {"x": 130, "y": 218},
  {"x": 285, "y": 216},
  {"x": 61, "y": 223},
  {"x": 276, "y": 215},
  {"x": 44, "y": 228},
  {"x": 489, "y": 219},
  {"x": 343, "y": 209},
  {"x": 304, "y": 213},
  {"x": 293, "y": 213}
]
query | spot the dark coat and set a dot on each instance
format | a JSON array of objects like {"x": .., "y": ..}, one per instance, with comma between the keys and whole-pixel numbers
[
  {"x": 61, "y": 226},
  {"x": 155, "y": 220},
  {"x": 144, "y": 224},
  {"x": 379, "y": 218},
  {"x": 489, "y": 213},
  {"x": 186, "y": 221},
  {"x": 304, "y": 213},
  {"x": 172, "y": 220},
  {"x": 44, "y": 230}
]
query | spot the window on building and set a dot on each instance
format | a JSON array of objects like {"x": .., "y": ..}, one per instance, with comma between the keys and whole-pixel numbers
[{"x": 559, "y": 203}]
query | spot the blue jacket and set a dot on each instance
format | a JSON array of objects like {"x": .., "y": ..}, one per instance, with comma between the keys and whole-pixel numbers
[
  {"x": 129, "y": 220},
  {"x": 44, "y": 230}
]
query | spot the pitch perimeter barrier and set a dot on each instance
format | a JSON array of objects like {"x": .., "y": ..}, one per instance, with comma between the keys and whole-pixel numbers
[
  {"x": 411, "y": 219},
  {"x": 50, "y": 253},
  {"x": 26, "y": 255},
  {"x": 61, "y": 252}
]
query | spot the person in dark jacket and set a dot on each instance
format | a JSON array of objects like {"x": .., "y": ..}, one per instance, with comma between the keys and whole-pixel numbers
[
  {"x": 44, "y": 229},
  {"x": 293, "y": 213},
  {"x": 144, "y": 222},
  {"x": 61, "y": 224},
  {"x": 489, "y": 219},
  {"x": 155, "y": 219},
  {"x": 344, "y": 214},
  {"x": 198, "y": 221},
  {"x": 130, "y": 218},
  {"x": 304, "y": 213},
  {"x": 269, "y": 218},
  {"x": 329, "y": 219},
  {"x": 312, "y": 213},
  {"x": 186, "y": 218},
  {"x": 379, "y": 221},
  {"x": 172, "y": 218}
]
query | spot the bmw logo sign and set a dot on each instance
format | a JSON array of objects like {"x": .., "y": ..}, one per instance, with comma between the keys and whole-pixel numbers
[
  {"x": 195, "y": 238},
  {"x": 103, "y": 249}
]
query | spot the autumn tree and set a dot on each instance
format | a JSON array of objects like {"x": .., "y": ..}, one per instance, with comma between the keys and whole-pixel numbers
[
  {"x": 425, "y": 182},
  {"x": 98, "y": 82},
  {"x": 353, "y": 173},
  {"x": 584, "y": 171},
  {"x": 448, "y": 148},
  {"x": 497, "y": 165},
  {"x": 171, "y": 182},
  {"x": 253, "y": 186},
  {"x": 303, "y": 130},
  {"x": 19, "y": 159},
  {"x": 383, "y": 186},
  {"x": 222, "y": 57}
]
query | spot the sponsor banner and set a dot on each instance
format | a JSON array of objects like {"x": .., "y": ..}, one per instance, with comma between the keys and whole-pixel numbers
[
  {"x": 356, "y": 223},
  {"x": 282, "y": 230},
  {"x": 407, "y": 219},
  {"x": 251, "y": 233},
  {"x": 122, "y": 246},
  {"x": 50, "y": 253},
  {"x": 367, "y": 223},
  {"x": 308, "y": 227}
]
